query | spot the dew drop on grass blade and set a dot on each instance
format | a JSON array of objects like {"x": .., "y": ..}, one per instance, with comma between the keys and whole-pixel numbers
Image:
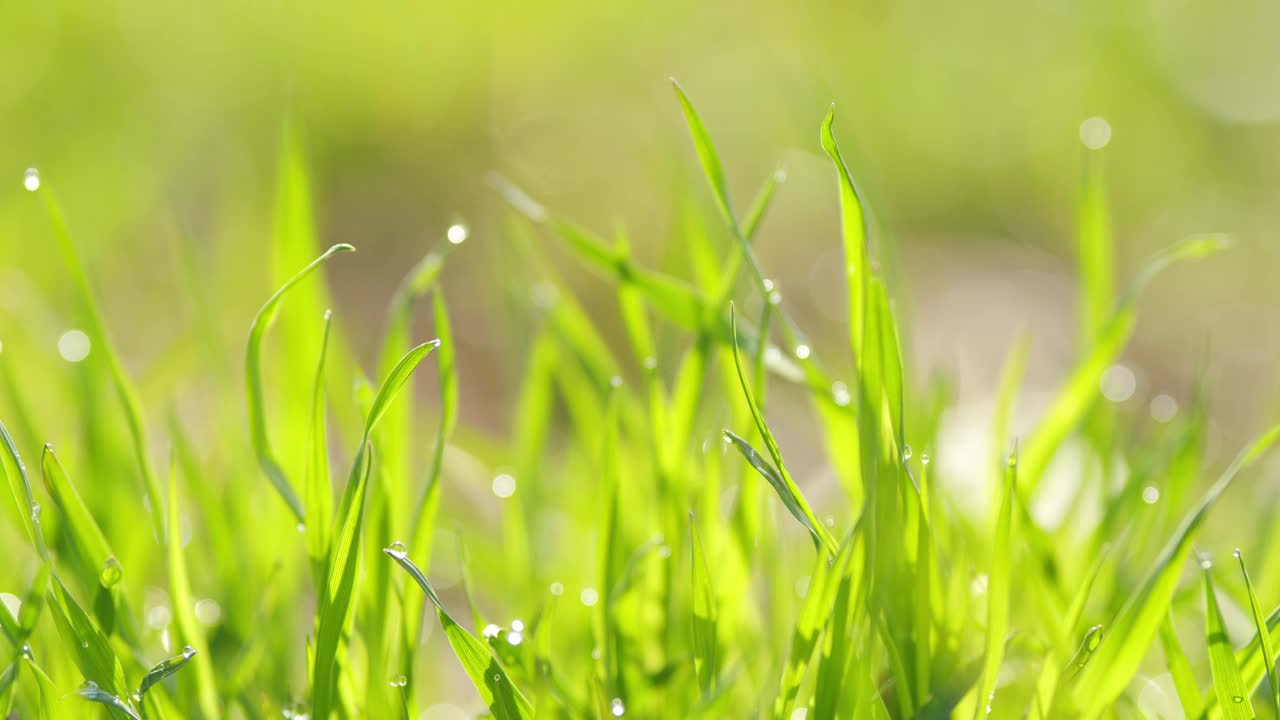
[
  {"x": 1233, "y": 696},
  {"x": 499, "y": 694},
  {"x": 1264, "y": 637},
  {"x": 254, "y": 388},
  {"x": 91, "y": 692},
  {"x": 20, "y": 485},
  {"x": 164, "y": 669},
  {"x": 101, "y": 564}
]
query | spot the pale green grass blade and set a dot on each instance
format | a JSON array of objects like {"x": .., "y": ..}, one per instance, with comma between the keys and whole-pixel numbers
[
  {"x": 1079, "y": 393},
  {"x": 998, "y": 592},
  {"x": 91, "y": 692},
  {"x": 853, "y": 230},
  {"x": 124, "y": 387},
  {"x": 499, "y": 694},
  {"x": 1264, "y": 637},
  {"x": 1184, "y": 679},
  {"x": 164, "y": 669},
  {"x": 23, "y": 497},
  {"x": 1094, "y": 250},
  {"x": 317, "y": 488},
  {"x": 777, "y": 473},
  {"x": 705, "y": 638},
  {"x": 1233, "y": 696},
  {"x": 1137, "y": 622},
  {"x": 187, "y": 630},
  {"x": 79, "y": 521},
  {"x": 254, "y": 386}
]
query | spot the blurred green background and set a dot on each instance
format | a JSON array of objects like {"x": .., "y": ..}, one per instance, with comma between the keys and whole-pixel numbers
[{"x": 159, "y": 126}]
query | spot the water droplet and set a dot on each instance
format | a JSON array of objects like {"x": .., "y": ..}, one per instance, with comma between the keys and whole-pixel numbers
[
  {"x": 1236, "y": 699},
  {"x": 398, "y": 681},
  {"x": 26, "y": 651},
  {"x": 780, "y": 175},
  {"x": 517, "y": 625},
  {"x": 188, "y": 651},
  {"x": 31, "y": 179},
  {"x": 457, "y": 233},
  {"x": 111, "y": 572},
  {"x": 490, "y": 631},
  {"x": 1205, "y": 562},
  {"x": 89, "y": 685},
  {"x": 74, "y": 345},
  {"x": 906, "y": 452},
  {"x": 85, "y": 644},
  {"x": 397, "y": 550},
  {"x": 768, "y": 285},
  {"x": 1236, "y": 553},
  {"x": 775, "y": 298},
  {"x": 589, "y": 596},
  {"x": 557, "y": 588},
  {"x": 616, "y": 708},
  {"x": 504, "y": 485},
  {"x": 35, "y": 512},
  {"x": 803, "y": 351},
  {"x": 924, "y": 458},
  {"x": 1095, "y": 133},
  {"x": 840, "y": 394},
  {"x": 1150, "y": 494},
  {"x": 1093, "y": 638},
  {"x": 497, "y": 677},
  {"x": 515, "y": 638}
]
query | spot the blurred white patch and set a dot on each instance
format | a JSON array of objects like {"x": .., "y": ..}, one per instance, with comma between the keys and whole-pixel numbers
[
  {"x": 1163, "y": 408},
  {"x": 31, "y": 179},
  {"x": 12, "y": 603},
  {"x": 1150, "y": 494},
  {"x": 589, "y": 596},
  {"x": 557, "y": 588},
  {"x": 979, "y": 584},
  {"x": 802, "y": 585},
  {"x": 504, "y": 485},
  {"x": 208, "y": 611},
  {"x": 457, "y": 234},
  {"x": 1095, "y": 133},
  {"x": 444, "y": 711},
  {"x": 73, "y": 345},
  {"x": 1118, "y": 383}
]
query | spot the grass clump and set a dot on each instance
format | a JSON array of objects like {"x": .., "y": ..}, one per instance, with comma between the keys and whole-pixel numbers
[{"x": 660, "y": 574}]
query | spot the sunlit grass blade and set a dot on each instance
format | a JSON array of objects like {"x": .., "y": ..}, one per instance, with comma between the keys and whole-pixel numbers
[
  {"x": 1094, "y": 249},
  {"x": 317, "y": 489},
  {"x": 998, "y": 591},
  {"x": 186, "y": 629},
  {"x": 705, "y": 639},
  {"x": 124, "y": 387},
  {"x": 164, "y": 669},
  {"x": 776, "y": 474},
  {"x": 853, "y": 229},
  {"x": 503, "y": 698},
  {"x": 1264, "y": 637},
  {"x": 254, "y": 386},
  {"x": 1184, "y": 679},
  {"x": 1138, "y": 620},
  {"x": 23, "y": 497},
  {"x": 83, "y": 528},
  {"x": 93, "y": 693},
  {"x": 90, "y": 648},
  {"x": 1233, "y": 696}
]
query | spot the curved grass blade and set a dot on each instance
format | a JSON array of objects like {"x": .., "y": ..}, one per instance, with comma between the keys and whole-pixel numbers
[
  {"x": 1134, "y": 627},
  {"x": 1264, "y": 637},
  {"x": 91, "y": 692},
  {"x": 502, "y": 697},
  {"x": 84, "y": 530},
  {"x": 20, "y": 485},
  {"x": 124, "y": 387},
  {"x": 91, "y": 650},
  {"x": 853, "y": 230},
  {"x": 705, "y": 640},
  {"x": 254, "y": 389},
  {"x": 317, "y": 488},
  {"x": 185, "y": 626},
  {"x": 165, "y": 669},
  {"x": 1233, "y": 697},
  {"x": 779, "y": 478}
]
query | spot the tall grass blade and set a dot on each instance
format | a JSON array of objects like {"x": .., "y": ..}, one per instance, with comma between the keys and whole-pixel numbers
[
  {"x": 1264, "y": 637},
  {"x": 1233, "y": 696}
]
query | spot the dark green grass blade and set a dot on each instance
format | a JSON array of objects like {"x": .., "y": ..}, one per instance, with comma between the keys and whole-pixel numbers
[
  {"x": 186, "y": 629},
  {"x": 499, "y": 694},
  {"x": 777, "y": 474},
  {"x": 1137, "y": 622},
  {"x": 1233, "y": 696},
  {"x": 164, "y": 669},
  {"x": 1264, "y": 637},
  {"x": 84, "y": 530},
  {"x": 124, "y": 387},
  {"x": 254, "y": 388}
]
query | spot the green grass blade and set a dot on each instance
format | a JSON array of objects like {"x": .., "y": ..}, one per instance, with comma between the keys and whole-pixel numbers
[
  {"x": 1094, "y": 249},
  {"x": 707, "y": 157},
  {"x": 84, "y": 530},
  {"x": 1138, "y": 620},
  {"x": 317, "y": 488},
  {"x": 499, "y": 694},
  {"x": 91, "y": 692},
  {"x": 853, "y": 230},
  {"x": 1184, "y": 680},
  {"x": 705, "y": 639},
  {"x": 124, "y": 387},
  {"x": 164, "y": 669},
  {"x": 1233, "y": 696},
  {"x": 998, "y": 591},
  {"x": 91, "y": 650},
  {"x": 23, "y": 497},
  {"x": 779, "y": 478},
  {"x": 187, "y": 630},
  {"x": 1264, "y": 637},
  {"x": 254, "y": 388}
]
